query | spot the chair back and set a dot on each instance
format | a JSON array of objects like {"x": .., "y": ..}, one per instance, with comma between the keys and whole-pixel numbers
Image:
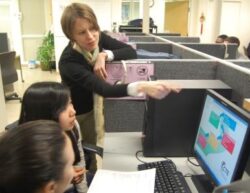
[{"x": 7, "y": 64}]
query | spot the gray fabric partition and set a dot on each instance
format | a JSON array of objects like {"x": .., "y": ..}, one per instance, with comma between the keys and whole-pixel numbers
[
  {"x": 217, "y": 50},
  {"x": 185, "y": 69},
  {"x": 186, "y": 54},
  {"x": 143, "y": 39},
  {"x": 181, "y": 39},
  {"x": 155, "y": 47},
  {"x": 157, "y": 34},
  {"x": 123, "y": 115},
  {"x": 166, "y": 34},
  {"x": 242, "y": 63},
  {"x": 239, "y": 81},
  {"x": 176, "y": 50},
  {"x": 127, "y": 115}
]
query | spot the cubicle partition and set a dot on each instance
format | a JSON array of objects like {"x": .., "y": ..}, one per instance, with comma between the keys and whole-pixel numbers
[
  {"x": 155, "y": 46},
  {"x": 218, "y": 50},
  {"x": 185, "y": 69},
  {"x": 195, "y": 61},
  {"x": 238, "y": 78},
  {"x": 127, "y": 115},
  {"x": 242, "y": 63},
  {"x": 166, "y": 34},
  {"x": 156, "y": 34},
  {"x": 141, "y": 38},
  {"x": 182, "y": 39},
  {"x": 178, "y": 51}
]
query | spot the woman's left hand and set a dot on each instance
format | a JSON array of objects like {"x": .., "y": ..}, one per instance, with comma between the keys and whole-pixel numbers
[
  {"x": 99, "y": 67},
  {"x": 78, "y": 175}
]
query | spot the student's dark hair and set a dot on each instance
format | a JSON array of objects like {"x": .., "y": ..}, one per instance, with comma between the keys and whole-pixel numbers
[
  {"x": 31, "y": 156},
  {"x": 44, "y": 100},
  {"x": 234, "y": 40},
  {"x": 222, "y": 36}
]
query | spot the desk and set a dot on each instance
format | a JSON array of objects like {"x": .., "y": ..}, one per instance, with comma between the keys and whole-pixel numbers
[{"x": 119, "y": 154}]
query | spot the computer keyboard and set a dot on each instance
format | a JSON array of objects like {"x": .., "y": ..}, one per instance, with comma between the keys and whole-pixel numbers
[{"x": 167, "y": 179}]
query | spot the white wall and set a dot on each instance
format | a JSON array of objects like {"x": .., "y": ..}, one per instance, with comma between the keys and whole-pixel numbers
[
  {"x": 222, "y": 17},
  {"x": 244, "y": 27},
  {"x": 213, "y": 10},
  {"x": 105, "y": 10},
  {"x": 157, "y": 14}
]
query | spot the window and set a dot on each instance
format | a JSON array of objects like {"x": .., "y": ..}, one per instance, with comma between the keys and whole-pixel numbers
[{"x": 130, "y": 10}]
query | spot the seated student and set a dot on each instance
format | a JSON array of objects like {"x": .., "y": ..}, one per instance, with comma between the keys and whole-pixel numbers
[
  {"x": 235, "y": 40},
  {"x": 51, "y": 101},
  {"x": 35, "y": 157},
  {"x": 248, "y": 51},
  {"x": 221, "y": 38}
]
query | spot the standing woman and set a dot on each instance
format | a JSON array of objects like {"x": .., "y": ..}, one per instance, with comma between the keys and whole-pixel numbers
[
  {"x": 82, "y": 66},
  {"x": 51, "y": 101},
  {"x": 35, "y": 157}
]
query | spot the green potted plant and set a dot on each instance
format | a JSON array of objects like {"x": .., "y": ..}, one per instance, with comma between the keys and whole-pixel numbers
[{"x": 46, "y": 52}]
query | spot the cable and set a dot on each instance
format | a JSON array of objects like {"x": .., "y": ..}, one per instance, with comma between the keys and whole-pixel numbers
[
  {"x": 140, "y": 151},
  {"x": 188, "y": 175},
  {"x": 191, "y": 162},
  {"x": 137, "y": 156}
]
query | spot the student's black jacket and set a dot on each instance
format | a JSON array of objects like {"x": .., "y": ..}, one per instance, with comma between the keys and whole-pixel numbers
[{"x": 78, "y": 74}]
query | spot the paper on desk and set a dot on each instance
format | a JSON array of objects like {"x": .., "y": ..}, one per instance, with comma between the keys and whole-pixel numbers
[{"x": 123, "y": 182}]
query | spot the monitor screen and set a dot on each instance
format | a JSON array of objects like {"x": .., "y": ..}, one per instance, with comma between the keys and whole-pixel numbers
[{"x": 222, "y": 139}]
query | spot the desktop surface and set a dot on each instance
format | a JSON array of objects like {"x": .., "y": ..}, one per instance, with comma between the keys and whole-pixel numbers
[{"x": 119, "y": 154}]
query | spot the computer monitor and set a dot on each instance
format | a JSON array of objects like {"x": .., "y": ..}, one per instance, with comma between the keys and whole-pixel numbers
[
  {"x": 222, "y": 142},
  {"x": 171, "y": 124}
]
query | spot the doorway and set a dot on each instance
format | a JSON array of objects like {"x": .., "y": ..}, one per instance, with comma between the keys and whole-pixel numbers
[{"x": 176, "y": 17}]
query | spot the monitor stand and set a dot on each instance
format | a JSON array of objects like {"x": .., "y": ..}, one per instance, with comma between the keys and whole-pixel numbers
[{"x": 202, "y": 183}]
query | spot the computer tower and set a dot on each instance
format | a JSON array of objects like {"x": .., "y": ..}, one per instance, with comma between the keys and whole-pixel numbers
[{"x": 170, "y": 124}]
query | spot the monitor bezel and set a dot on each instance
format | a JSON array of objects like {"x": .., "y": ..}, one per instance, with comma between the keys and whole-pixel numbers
[{"x": 245, "y": 151}]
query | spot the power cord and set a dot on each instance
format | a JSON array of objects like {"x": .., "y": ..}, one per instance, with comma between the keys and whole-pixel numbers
[
  {"x": 137, "y": 156},
  {"x": 191, "y": 162},
  {"x": 188, "y": 175},
  {"x": 140, "y": 151}
]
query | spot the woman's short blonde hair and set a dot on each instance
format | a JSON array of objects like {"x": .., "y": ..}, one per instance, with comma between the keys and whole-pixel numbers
[{"x": 74, "y": 11}]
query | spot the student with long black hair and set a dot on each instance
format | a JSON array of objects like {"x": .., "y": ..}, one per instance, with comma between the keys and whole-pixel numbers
[
  {"x": 52, "y": 101},
  {"x": 35, "y": 157}
]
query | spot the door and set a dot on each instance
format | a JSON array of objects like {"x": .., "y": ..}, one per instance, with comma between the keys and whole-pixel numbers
[{"x": 176, "y": 17}]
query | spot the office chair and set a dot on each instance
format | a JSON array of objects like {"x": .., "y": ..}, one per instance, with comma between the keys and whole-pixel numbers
[
  {"x": 19, "y": 66},
  {"x": 9, "y": 73}
]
